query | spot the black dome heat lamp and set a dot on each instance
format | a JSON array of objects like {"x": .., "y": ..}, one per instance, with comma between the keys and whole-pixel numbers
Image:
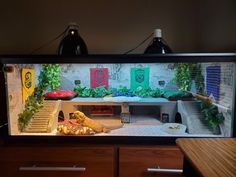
[{"x": 72, "y": 44}]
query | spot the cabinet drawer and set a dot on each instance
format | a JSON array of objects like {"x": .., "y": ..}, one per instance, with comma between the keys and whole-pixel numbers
[
  {"x": 143, "y": 161},
  {"x": 50, "y": 162}
]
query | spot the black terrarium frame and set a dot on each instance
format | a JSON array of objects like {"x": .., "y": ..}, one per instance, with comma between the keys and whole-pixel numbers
[{"x": 109, "y": 59}]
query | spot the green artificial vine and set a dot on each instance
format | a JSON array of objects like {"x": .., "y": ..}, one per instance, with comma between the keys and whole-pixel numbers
[
  {"x": 33, "y": 103},
  {"x": 211, "y": 114},
  {"x": 196, "y": 75},
  {"x": 49, "y": 77},
  {"x": 182, "y": 76},
  {"x": 101, "y": 91},
  {"x": 185, "y": 73},
  {"x": 148, "y": 92},
  {"x": 97, "y": 92}
]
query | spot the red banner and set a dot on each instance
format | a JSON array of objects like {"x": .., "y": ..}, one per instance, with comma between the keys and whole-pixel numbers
[{"x": 98, "y": 77}]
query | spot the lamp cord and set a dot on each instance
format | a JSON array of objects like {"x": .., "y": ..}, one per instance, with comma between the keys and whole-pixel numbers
[
  {"x": 1, "y": 126},
  {"x": 141, "y": 43},
  {"x": 63, "y": 33},
  {"x": 51, "y": 41}
]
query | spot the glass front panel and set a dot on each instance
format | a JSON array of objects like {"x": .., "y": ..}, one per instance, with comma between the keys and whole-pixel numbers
[{"x": 126, "y": 99}]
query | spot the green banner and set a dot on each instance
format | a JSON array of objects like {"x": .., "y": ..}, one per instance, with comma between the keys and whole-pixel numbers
[{"x": 139, "y": 78}]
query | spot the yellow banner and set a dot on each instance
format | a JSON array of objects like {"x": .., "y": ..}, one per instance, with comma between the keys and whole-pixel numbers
[{"x": 27, "y": 77}]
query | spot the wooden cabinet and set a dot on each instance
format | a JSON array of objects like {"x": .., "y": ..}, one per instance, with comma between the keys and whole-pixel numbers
[
  {"x": 89, "y": 161},
  {"x": 56, "y": 162},
  {"x": 150, "y": 161}
]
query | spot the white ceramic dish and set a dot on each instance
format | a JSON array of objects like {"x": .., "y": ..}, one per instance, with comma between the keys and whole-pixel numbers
[{"x": 174, "y": 128}]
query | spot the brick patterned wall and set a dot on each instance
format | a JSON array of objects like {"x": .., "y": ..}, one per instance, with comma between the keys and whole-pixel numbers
[{"x": 225, "y": 93}]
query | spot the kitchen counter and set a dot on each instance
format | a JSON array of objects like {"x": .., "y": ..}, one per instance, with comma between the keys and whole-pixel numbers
[{"x": 209, "y": 157}]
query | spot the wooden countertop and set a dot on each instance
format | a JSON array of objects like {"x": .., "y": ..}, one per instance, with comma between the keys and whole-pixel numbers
[{"x": 210, "y": 156}]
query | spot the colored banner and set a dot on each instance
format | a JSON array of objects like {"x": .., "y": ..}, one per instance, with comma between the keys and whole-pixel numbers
[
  {"x": 139, "y": 78},
  {"x": 98, "y": 77},
  {"x": 213, "y": 81},
  {"x": 27, "y": 77}
]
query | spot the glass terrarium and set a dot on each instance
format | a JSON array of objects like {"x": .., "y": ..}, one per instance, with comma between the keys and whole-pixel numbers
[{"x": 189, "y": 95}]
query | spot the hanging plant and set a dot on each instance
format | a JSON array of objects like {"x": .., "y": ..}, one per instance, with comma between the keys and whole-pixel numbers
[
  {"x": 182, "y": 76},
  {"x": 185, "y": 73},
  {"x": 196, "y": 75},
  {"x": 49, "y": 76}
]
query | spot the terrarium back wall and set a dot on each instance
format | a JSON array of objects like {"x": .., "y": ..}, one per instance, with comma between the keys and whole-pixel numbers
[{"x": 110, "y": 26}]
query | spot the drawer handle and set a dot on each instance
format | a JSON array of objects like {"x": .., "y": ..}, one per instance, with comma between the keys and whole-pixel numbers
[
  {"x": 164, "y": 170},
  {"x": 35, "y": 168}
]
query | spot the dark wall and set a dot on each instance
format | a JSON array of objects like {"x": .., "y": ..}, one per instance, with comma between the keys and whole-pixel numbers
[
  {"x": 218, "y": 21},
  {"x": 111, "y": 26}
]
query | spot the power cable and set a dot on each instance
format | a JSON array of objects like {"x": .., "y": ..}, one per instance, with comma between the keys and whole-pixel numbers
[
  {"x": 141, "y": 43},
  {"x": 51, "y": 41}
]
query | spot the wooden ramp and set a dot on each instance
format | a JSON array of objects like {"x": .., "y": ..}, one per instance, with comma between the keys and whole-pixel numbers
[{"x": 45, "y": 120}]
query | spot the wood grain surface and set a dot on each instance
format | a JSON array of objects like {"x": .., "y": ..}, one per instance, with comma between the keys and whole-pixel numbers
[
  {"x": 212, "y": 157},
  {"x": 134, "y": 161},
  {"x": 98, "y": 161}
]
